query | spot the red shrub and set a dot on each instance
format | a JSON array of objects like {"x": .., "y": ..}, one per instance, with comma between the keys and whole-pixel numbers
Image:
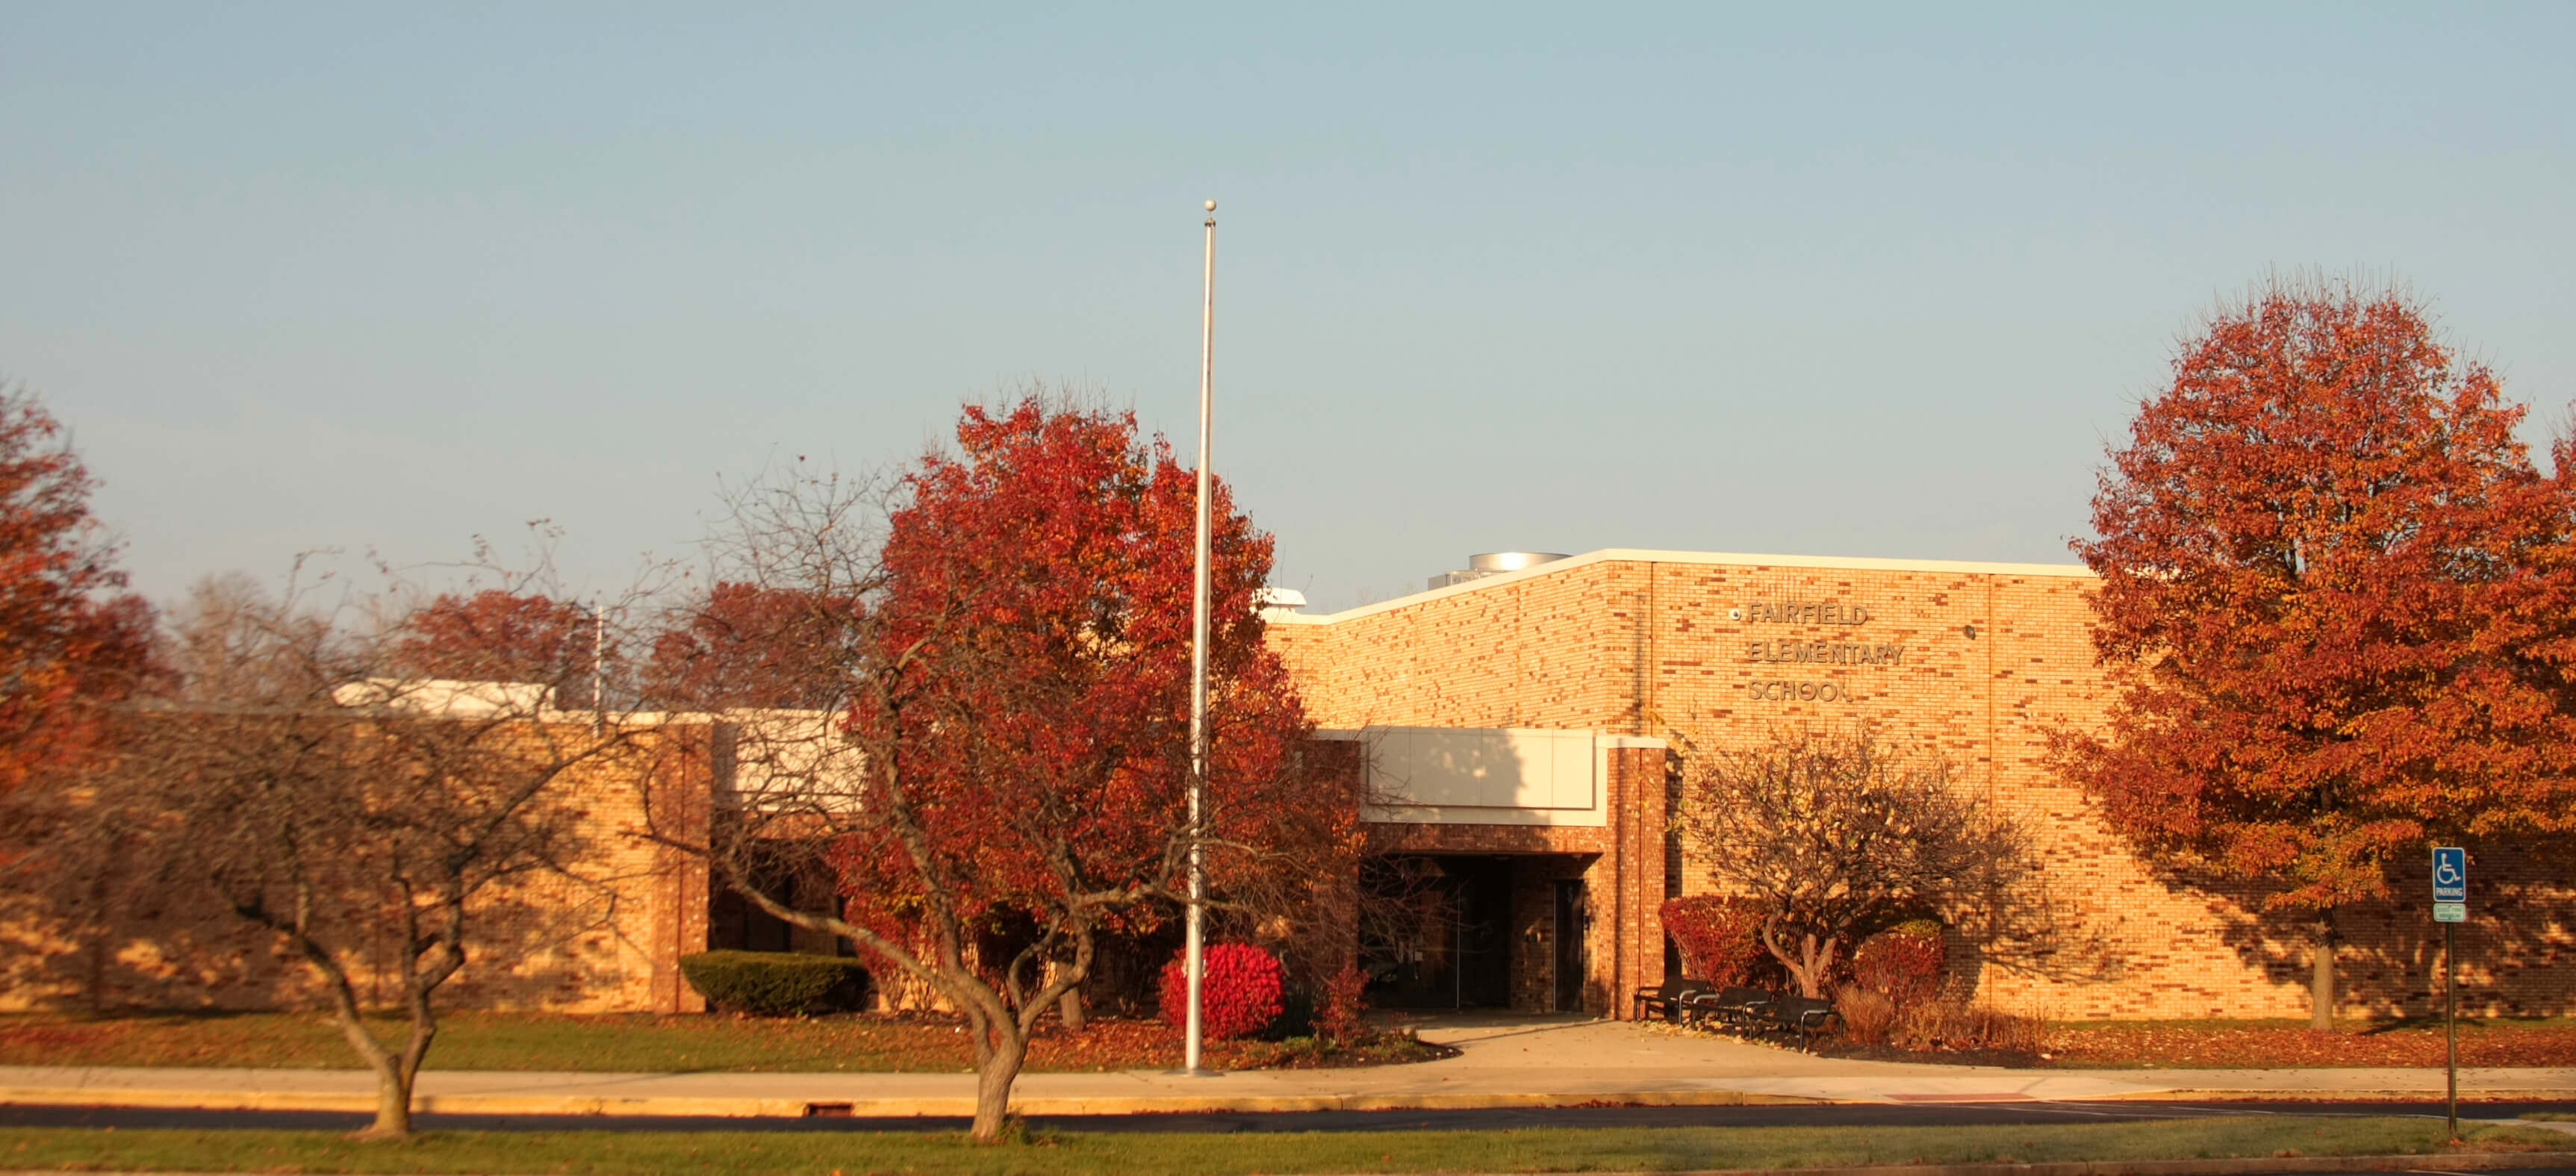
[
  {"x": 1903, "y": 962},
  {"x": 1720, "y": 938},
  {"x": 1240, "y": 994},
  {"x": 1337, "y": 1016}
]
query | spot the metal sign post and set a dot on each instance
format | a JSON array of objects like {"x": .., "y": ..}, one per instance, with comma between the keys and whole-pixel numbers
[{"x": 2450, "y": 909}]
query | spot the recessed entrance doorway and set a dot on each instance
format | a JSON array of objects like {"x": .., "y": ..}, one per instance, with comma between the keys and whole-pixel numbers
[
  {"x": 1572, "y": 929},
  {"x": 1439, "y": 933},
  {"x": 1479, "y": 931}
]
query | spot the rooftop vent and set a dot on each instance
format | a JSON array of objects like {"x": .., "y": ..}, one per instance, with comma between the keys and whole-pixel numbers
[
  {"x": 1495, "y": 563},
  {"x": 1274, "y": 602}
]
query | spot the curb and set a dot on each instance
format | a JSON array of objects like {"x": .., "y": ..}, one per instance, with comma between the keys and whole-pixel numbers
[
  {"x": 2385, "y": 1094},
  {"x": 2247, "y": 1166},
  {"x": 872, "y": 1108},
  {"x": 964, "y": 1106}
]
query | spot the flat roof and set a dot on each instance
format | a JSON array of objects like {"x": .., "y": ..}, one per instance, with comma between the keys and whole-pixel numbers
[{"x": 1712, "y": 558}]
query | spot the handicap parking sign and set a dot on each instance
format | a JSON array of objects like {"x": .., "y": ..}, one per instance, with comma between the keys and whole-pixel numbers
[{"x": 2450, "y": 874}]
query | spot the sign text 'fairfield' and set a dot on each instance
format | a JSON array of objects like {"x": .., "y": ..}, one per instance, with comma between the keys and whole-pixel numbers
[{"x": 1771, "y": 651}]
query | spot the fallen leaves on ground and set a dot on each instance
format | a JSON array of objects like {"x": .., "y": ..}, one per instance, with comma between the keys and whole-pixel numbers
[
  {"x": 536, "y": 1041},
  {"x": 2411, "y": 1044}
]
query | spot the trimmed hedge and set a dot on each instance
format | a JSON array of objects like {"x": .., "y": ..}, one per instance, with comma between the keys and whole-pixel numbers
[
  {"x": 1720, "y": 938},
  {"x": 1903, "y": 962},
  {"x": 775, "y": 983}
]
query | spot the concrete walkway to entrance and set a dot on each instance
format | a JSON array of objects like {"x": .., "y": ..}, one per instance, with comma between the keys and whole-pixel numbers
[{"x": 1504, "y": 1061}]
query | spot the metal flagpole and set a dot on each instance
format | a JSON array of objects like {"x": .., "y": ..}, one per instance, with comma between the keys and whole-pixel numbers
[
  {"x": 1197, "y": 966},
  {"x": 598, "y": 669}
]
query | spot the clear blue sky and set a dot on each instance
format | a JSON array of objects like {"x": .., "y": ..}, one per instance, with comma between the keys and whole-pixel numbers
[{"x": 1868, "y": 281}]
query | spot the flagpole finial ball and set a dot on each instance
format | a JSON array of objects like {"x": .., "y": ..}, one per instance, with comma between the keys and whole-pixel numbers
[{"x": 1211, "y": 206}]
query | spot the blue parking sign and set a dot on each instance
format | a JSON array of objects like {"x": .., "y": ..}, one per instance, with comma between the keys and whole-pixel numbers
[{"x": 2450, "y": 874}]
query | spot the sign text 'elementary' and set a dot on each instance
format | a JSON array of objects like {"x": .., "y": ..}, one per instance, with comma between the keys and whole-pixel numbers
[{"x": 1831, "y": 653}]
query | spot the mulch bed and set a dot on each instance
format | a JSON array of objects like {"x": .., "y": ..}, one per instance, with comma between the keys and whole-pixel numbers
[
  {"x": 2413, "y": 1044},
  {"x": 1141, "y": 1044},
  {"x": 1939, "y": 1057},
  {"x": 847, "y": 1043},
  {"x": 2229, "y": 1045}
]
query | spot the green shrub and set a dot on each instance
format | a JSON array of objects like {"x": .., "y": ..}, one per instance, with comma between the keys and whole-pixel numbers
[{"x": 775, "y": 983}]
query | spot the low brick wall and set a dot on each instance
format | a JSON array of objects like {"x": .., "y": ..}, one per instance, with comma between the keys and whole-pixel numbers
[{"x": 606, "y": 938}]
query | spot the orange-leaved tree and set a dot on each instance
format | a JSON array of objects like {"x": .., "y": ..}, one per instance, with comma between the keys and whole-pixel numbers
[
  {"x": 67, "y": 641},
  {"x": 1016, "y": 742},
  {"x": 498, "y": 635},
  {"x": 2336, "y": 594},
  {"x": 743, "y": 645}
]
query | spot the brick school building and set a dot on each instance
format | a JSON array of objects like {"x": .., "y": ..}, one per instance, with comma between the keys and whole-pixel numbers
[
  {"x": 1531, "y": 719},
  {"x": 1528, "y": 724}
]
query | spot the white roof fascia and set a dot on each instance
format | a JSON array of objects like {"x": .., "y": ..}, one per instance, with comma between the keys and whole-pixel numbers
[{"x": 1706, "y": 558}]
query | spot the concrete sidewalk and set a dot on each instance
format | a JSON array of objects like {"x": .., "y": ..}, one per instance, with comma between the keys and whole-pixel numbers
[{"x": 1503, "y": 1062}]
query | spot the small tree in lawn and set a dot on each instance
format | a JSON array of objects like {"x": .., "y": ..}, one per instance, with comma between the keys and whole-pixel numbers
[
  {"x": 2337, "y": 597},
  {"x": 1833, "y": 835},
  {"x": 1014, "y": 642},
  {"x": 319, "y": 794}
]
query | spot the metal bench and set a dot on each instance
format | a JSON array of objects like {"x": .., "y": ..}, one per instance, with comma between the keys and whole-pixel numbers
[
  {"x": 1669, "y": 1001},
  {"x": 1803, "y": 1018},
  {"x": 1736, "y": 1006}
]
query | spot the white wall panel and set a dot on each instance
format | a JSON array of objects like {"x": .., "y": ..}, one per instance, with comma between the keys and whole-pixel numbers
[{"x": 1509, "y": 775}]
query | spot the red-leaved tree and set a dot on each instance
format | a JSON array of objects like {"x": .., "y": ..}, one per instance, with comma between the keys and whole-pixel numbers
[
  {"x": 67, "y": 641},
  {"x": 2336, "y": 594},
  {"x": 1016, "y": 744},
  {"x": 497, "y": 635},
  {"x": 743, "y": 645}
]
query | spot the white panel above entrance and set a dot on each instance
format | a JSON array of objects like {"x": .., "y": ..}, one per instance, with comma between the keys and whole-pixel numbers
[{"x": 1484, "y": 775}]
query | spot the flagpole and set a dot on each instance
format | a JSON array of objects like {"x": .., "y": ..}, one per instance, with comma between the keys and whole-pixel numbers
[{"x": 1197, "y": 966}]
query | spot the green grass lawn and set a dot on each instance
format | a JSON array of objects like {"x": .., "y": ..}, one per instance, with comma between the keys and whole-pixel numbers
[
  {"x": 625, "y": 1043},
  {"x": 1547, "y": 1150}
]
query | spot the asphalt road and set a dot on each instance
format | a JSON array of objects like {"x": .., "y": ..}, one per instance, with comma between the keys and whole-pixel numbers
[{"x": 1796, "y": 1115}]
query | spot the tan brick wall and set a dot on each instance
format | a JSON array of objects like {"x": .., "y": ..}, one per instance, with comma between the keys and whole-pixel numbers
[
  {"x": 606, "y": 939},
  {"x": 1649, "y": 646}
]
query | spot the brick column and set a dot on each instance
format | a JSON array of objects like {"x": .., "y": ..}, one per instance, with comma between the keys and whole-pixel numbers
[
  {"x": 1636, "y": 875},
  {"x": 683, "y": 795}
]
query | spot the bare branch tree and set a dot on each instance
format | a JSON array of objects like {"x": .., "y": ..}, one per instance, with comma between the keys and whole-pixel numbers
[
  {"x": 1838, "y": 834},
  {"x": 327, "y": 799}
]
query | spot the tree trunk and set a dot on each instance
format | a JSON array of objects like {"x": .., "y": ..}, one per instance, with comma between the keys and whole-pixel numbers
[
  {"x": 393, "y": 1105},
  {"x": 393, "y": 1076},
  {"x": 2321, "y": 980},
  {"x": 393, "y": 1085},
  {"x": 993, "y": 1083},
  {"x": 1809, "y": 966},
  {"x": 1069, "y": 1007},
  {"x": 1818, "y": 965}
]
